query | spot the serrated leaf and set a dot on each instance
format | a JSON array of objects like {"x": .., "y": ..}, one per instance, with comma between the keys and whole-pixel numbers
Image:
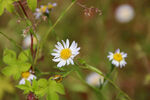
[
  {"x": 32, "y": 4},
  {"x": 24, "y": 67},
  {"x": 24, "y": 55},
  {"x": 15, "y": 66},
  {"x": 9, "y": 57},
  {"x": 25, "y": 87},
  {"x": 8, "y": 71},
  {"x": 42, "y": 83},
  {"x": 34, "y": 85},
  {"x": 53, "y": 89}
]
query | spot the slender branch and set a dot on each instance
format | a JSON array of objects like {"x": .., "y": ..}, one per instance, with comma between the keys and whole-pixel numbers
[
  {"x": 14, "y": 42},
  {"x": 23, "y": 9},
  {"x": 100, "y": 73},
  {"x": 32, "y": 51},
  {"x": 50, "y": 29}
]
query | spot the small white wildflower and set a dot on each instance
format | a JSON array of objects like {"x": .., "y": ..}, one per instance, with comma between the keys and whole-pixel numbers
[
  {"x": 64, "y": 54},
  {"x": 44, "y": 9},
  {"x": 118, "y": 58},
  {"x": 124, "y": 13},
  {"x": 95, "y": 79},
  {"x": 26, "y": 76},
  {"x": 40, "y": 11}
]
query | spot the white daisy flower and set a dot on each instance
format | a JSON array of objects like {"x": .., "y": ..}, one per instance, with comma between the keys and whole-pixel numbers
[
  {"x": 27, "y": 41},
  {"x": 124, "y": 13},
  {"x": 26, "y": 76},
  {"x": 44, "y": 9},
  {"x": 40, "y": 11},
  {"x": 95, "y": 79},
  {"x": 64, "y": 54},
  {"x": 118, "y": 58}
]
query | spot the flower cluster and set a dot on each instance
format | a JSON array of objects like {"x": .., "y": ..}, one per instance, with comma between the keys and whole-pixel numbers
[{"x": 44, "y": 9}]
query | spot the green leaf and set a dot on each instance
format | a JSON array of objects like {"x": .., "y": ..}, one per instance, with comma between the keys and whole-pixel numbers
[
  {"x": 9, "y": 70},
  {"x": 15, "y": 66},
  {"x": 25, "y": 87},
  {"x": 24, "y": 55},
  {"x": 6, "y": 4},
  {"x": 24, "y": 67},
  {"x": 42, "y": 82},
  {"x": 34, "y": 85},
  {"x": 53, "y": 89},
  {"x": 9, "y": 57},
  {"x": 32, "y": 4}
]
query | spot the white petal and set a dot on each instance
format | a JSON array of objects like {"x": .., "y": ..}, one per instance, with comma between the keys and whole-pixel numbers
[
  {"x": 71, "y": 61},
  {"x": 117, "y": 51},
  {"x": 110, "y": 56},
  {"x": 59, "y": 48},
  {"x": 55, "y": 54},
  {"x": 61, "y": 63},
  {"x": 67, "y": 43},
  {"x": 64, "y": 44},
  {"x": 54, "y": 4},
  {"x": 116, "y": 63},
  {"x": 31, "y": 77},
  {"x": 122, "y": 63},
  {"x": 56, "y": 50},
  {"x": 60, "y": 45},
  {"x": 68, "y": 62},
  {"x": 22, "y": 81},
  {"x": 72, "y": 45},
  {"x": 124, "y": 55}
]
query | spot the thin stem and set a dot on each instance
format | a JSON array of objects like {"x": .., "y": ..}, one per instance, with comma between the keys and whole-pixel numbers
[
  {"x": 23, "y": 9},
  {"x": 92, "y": 87},
  {"x": 32, "y": 51},
  {"x": 50, "y": 29},
  {"x": 100, "y": 73},
  {"x": 14, "y": 42}
]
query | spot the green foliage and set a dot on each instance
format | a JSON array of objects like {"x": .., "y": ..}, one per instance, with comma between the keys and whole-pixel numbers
[
  {"x": 5, "y": 86},
  {"x": 32, "y": 4},
  {"x": 15, "y": 66},
  {"x": 43, "y": 87},
  {"x": 6, "y": 4}
]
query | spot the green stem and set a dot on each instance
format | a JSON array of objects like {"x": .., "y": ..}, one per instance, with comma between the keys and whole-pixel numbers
[
  {"x": 100, "y": 73},
  {"x": 50, "y": 29},
  {"x": 14, "y": 42},
  {"x": 97, "y": 91}
]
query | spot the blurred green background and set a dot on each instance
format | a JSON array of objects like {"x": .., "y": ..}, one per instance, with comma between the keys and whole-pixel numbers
[{"x": 96, "y": 35}]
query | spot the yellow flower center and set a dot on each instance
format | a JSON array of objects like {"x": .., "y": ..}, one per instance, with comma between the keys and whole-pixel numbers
[
  {"x": 50, "y": 6},
  {"x": 43, "y": 9},
  {"x": 118, "y": 57},
  {"x": 25, "y": 74},
  {"x": 65, "y": 54}
]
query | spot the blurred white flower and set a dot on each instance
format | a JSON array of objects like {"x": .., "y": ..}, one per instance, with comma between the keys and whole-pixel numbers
[
  {"x": 26, "y": 76},
  {"x": 124, "y": 13},
  {"x": 27, "y": 41},
  {"x": 44, "y": 9},
  {"x": 118, "y": 58},
  {"x": 64, "y": 54},
  {"x": 95, "y": 79}
]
